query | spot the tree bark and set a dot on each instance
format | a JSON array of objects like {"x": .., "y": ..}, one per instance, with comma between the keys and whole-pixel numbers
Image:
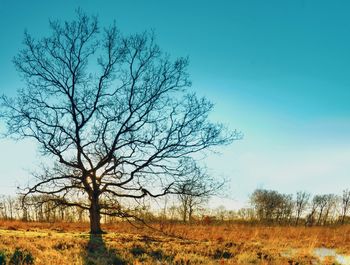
[
  {"x": 184, "y": 214},
  {"x": 190, "y": 212},
  {"x": 297, "y": 220},
  {"x": 95, "y": 216}
]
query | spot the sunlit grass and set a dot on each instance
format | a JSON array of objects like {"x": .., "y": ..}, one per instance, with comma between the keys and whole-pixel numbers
[{"x": 63, "y": 243}]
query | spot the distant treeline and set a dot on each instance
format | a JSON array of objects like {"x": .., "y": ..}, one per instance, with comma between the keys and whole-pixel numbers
[
  {"x": 270, "y": 206},
  {"x": 266, "y": 207}
]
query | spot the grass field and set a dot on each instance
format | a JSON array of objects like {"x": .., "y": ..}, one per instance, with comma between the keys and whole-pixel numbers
[{"x": 63, "y": 243}]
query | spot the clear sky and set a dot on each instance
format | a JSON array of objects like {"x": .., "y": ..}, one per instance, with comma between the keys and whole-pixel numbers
[{"x": 279, "y": 71}]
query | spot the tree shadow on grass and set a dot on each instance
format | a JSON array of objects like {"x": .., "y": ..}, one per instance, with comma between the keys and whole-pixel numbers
[{"x": 97, "y": 253}]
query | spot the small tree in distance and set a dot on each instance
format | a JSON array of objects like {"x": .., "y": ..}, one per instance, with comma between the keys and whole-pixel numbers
[
  {"x": 114, "y": 130},
  {"x": 345, "y": 204},
  {"x": 302, "y": 200},
  {"x": 195, "y": 191},
  {"x": 271, "y": 206}
]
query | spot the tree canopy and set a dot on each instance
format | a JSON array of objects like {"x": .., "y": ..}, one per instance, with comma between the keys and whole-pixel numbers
[{"x": 114, "y": 114}]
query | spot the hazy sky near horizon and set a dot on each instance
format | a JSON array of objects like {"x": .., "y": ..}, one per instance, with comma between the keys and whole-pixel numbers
[{"x": 279, "y": 71}]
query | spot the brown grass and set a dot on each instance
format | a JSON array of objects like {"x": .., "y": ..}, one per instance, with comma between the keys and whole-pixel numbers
[{"x": 69, "y": 243}]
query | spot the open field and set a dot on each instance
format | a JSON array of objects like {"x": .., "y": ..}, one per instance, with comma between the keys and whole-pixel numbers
[{"x": 64, "y": 243}]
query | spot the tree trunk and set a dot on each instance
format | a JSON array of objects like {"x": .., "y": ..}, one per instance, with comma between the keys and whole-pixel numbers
[
  {"x": 184, "y": 215},
  {"x": 319, "y": 217},
  {"x": 184, "y": 209},
  {"x": 95, "y": 216},
  {"x": 190, "y": 213},
  {"x": 298, "y": 217},
  {"x": 190, "y": 216}
]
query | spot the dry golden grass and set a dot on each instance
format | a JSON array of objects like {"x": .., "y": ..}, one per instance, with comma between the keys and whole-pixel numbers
[{"x": 69, "y": 243}]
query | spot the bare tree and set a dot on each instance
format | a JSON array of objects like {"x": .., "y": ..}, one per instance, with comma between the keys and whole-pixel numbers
[
  {"x": 117, "y": 129},
  {"x": 3, "y": 208},
  {"x": 320, "y": 202},
  {"x": 284, "y": 208},
  {"x": 264, "y": 203},
  {"x": 323, "y": 205},
  {"x": 345, "y": 204},
  {"x": 195, "y": 191},
  {"x": 246, "y": 214},
  {"x": 310, "y": 218},
  {"x": 300, "y": 204},
  {"x": 330, "y": 209},
  {"x": 272, "y": 206},
  {"x": 220, "y": 213}
]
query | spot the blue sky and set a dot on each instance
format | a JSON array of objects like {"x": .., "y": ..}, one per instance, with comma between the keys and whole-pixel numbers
[{"x": 276, "y": 70}]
